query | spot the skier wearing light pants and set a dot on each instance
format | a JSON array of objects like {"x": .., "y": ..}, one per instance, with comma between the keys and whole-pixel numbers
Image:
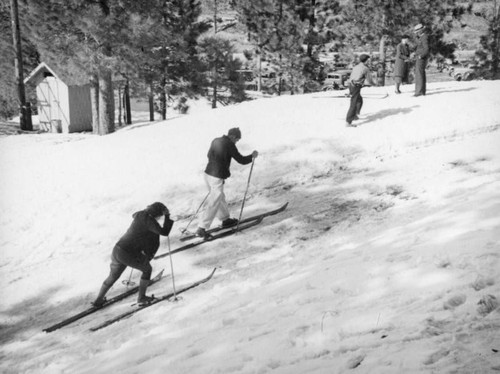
[{"x": 221, "y": 151}]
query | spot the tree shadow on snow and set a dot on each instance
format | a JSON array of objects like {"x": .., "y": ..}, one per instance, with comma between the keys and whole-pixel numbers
[
  {"x": 26, "y": 315},
  {"x": 36, "y": 314}
]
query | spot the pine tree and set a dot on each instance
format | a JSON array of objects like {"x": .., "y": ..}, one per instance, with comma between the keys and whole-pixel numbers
[
  {"x": 169, "y": 64},
  {"x": 370, "y": 23},
  {"x": 96, "y": 37},
  {"x": 490, "y": 42},
  {"x": 217, "y": 56},
  {"x": 277, "y": 32},
  {"x": 319, "y": 17},
  {"x": 8, "y": 99}
]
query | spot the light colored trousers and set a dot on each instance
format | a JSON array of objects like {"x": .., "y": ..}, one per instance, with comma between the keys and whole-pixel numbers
[{"x": 216, "y": 205}]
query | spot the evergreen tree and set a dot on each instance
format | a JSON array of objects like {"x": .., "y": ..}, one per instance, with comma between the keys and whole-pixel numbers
[
  {"x": 217, "y": 56},
  {"x": 490, "y": 42},
  {"x": 370, "y": 23},
  {"x": 9, "y": 105},
  {"x": 277, "y": 32},
  {"x": 319, "y": 17},
  {"x": 94, "y": 36},
  {"x": 169, "y": 65}
]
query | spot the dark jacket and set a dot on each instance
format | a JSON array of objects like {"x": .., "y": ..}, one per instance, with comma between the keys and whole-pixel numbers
[
  {"x": 221, "y": 151},
  {"x": 401, "y": 64},
  {"x": 422, "y": 49},
  {"x": 143, "y": 235}
]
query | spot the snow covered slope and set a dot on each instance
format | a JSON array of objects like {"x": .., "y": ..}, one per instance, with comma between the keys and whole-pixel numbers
[{"x": 387, "y": 259}]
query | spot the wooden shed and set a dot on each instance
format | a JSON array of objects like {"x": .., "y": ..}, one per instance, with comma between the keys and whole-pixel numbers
[{"x": 63, "y": 100}]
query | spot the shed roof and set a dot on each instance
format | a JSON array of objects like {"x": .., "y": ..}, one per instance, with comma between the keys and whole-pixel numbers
[{"x": 73, "y": 79}]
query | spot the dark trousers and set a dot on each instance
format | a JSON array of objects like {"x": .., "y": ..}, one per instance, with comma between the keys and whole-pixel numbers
[
  {"x": 120, "y": 259},
  {"x": 420, "y": 78},
  {"x": 356, "y": 102}
]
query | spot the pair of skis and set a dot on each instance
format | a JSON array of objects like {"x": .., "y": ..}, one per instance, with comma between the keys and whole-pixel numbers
[
  {"x": 221, "y": 232},
  {"x": 155, "y": 301},
  {"x": 94, "y": 309},
  {"x": 122, "y": 296},
  {"x": 216, "y": 233},
  {"x": 346, "y": 95}
]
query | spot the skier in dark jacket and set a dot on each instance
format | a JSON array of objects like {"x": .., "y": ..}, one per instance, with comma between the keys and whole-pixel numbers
[
  {"x": 136, "y": 248},
  {"x": 221, "y": 151}
]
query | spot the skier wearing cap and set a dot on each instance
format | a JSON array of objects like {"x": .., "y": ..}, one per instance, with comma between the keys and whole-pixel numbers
[
  {"x": 421, "y": 54},
  {"x": 221, "y": 151},
  {"x": 136, "y": 248},
  {"x": 360, "y": 76}
]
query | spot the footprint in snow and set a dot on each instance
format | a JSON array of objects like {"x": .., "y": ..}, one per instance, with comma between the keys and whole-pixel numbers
[
  {"x": 454, "y": 301},
  {"x": 354, "y": 362},
  {"x": 436, "y": 356},
  {"x": 481, "y": 283},
  {"x": 487, "y": 304}
]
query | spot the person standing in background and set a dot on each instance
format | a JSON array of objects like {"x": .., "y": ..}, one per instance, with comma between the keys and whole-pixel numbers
[
  {"x": 360, "y": 76},
  {"x": 421, "y": 55},
  {"x": 401, "y": 63}
]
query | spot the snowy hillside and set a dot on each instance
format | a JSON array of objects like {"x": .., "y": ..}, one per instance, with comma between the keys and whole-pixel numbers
[{"x": 387, "y": 259}]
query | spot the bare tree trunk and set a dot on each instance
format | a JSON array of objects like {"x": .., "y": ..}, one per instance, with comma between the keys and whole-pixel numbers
[
  {"x": 259, "y": 80},
  {"x": 163, "y": 98},
  {"x": 151, "y": 102},
  {"x": 381, "y": 66},
  {"x": 496, "y": 36},
  {"x": 214, "y": 97},
  {"x": 24, "y": 107},
  {"x": 94, "y": 102},
  {"x": 106, "y": 102},
  {"x": 126, "y": 104},
  {"x": 119, "y": 105}
]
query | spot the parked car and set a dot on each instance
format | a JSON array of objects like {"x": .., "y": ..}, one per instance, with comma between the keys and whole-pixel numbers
[
  {"x": 336, "y": 80},
  {"x": 463, "y": 74}
]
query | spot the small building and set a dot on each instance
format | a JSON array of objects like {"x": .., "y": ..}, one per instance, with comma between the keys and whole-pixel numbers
[{"x": 63, "y": 100}]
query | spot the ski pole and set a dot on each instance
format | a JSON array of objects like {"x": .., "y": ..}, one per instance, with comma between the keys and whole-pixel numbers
[
  {"x": 197, "y": 210},
  {"x": 171, "y": 268},
  {"x": 245, "y": 196},
  {"x": 129, "y": 283}
]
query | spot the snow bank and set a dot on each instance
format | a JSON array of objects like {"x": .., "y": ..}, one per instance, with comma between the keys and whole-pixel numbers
[{"x": 386, "y": 260}]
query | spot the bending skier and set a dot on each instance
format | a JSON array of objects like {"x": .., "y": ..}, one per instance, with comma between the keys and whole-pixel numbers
[
  {"x": 360, "y": 77},
  {"x": 221, "y": 151},
  {"x": 136, "y": 248}
]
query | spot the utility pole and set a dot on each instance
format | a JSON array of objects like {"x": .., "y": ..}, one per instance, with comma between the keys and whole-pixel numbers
[
  {"x": 214, "y": 98},
  {"x": 24, "y": 107}
]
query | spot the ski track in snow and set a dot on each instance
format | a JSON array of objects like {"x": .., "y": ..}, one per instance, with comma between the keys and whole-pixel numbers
[{"x": 386, "y": 260}]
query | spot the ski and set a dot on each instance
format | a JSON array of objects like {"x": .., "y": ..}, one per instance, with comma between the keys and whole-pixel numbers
[
  {"x": 190, "y": 235},
  {"x": 93, "y": 309},
  {"x": 223, "y": 234},
  {"x": 153, "y": 302},
  {"x": 347, "y": 96}
]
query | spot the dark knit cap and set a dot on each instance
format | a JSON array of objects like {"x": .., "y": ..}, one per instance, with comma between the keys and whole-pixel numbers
[
  {"x": 235, "y": 131},
  {"x": 156, "y": 209},
  {"x": 364, "y": 57}
]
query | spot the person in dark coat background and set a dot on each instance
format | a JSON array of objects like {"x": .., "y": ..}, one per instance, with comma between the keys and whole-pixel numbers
[
  {"x": 136, "y": 248},
  {"x": 221, "y": 151},
  {"x": 401, "y": 64},
  {"x": 421, "y": 55}
]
